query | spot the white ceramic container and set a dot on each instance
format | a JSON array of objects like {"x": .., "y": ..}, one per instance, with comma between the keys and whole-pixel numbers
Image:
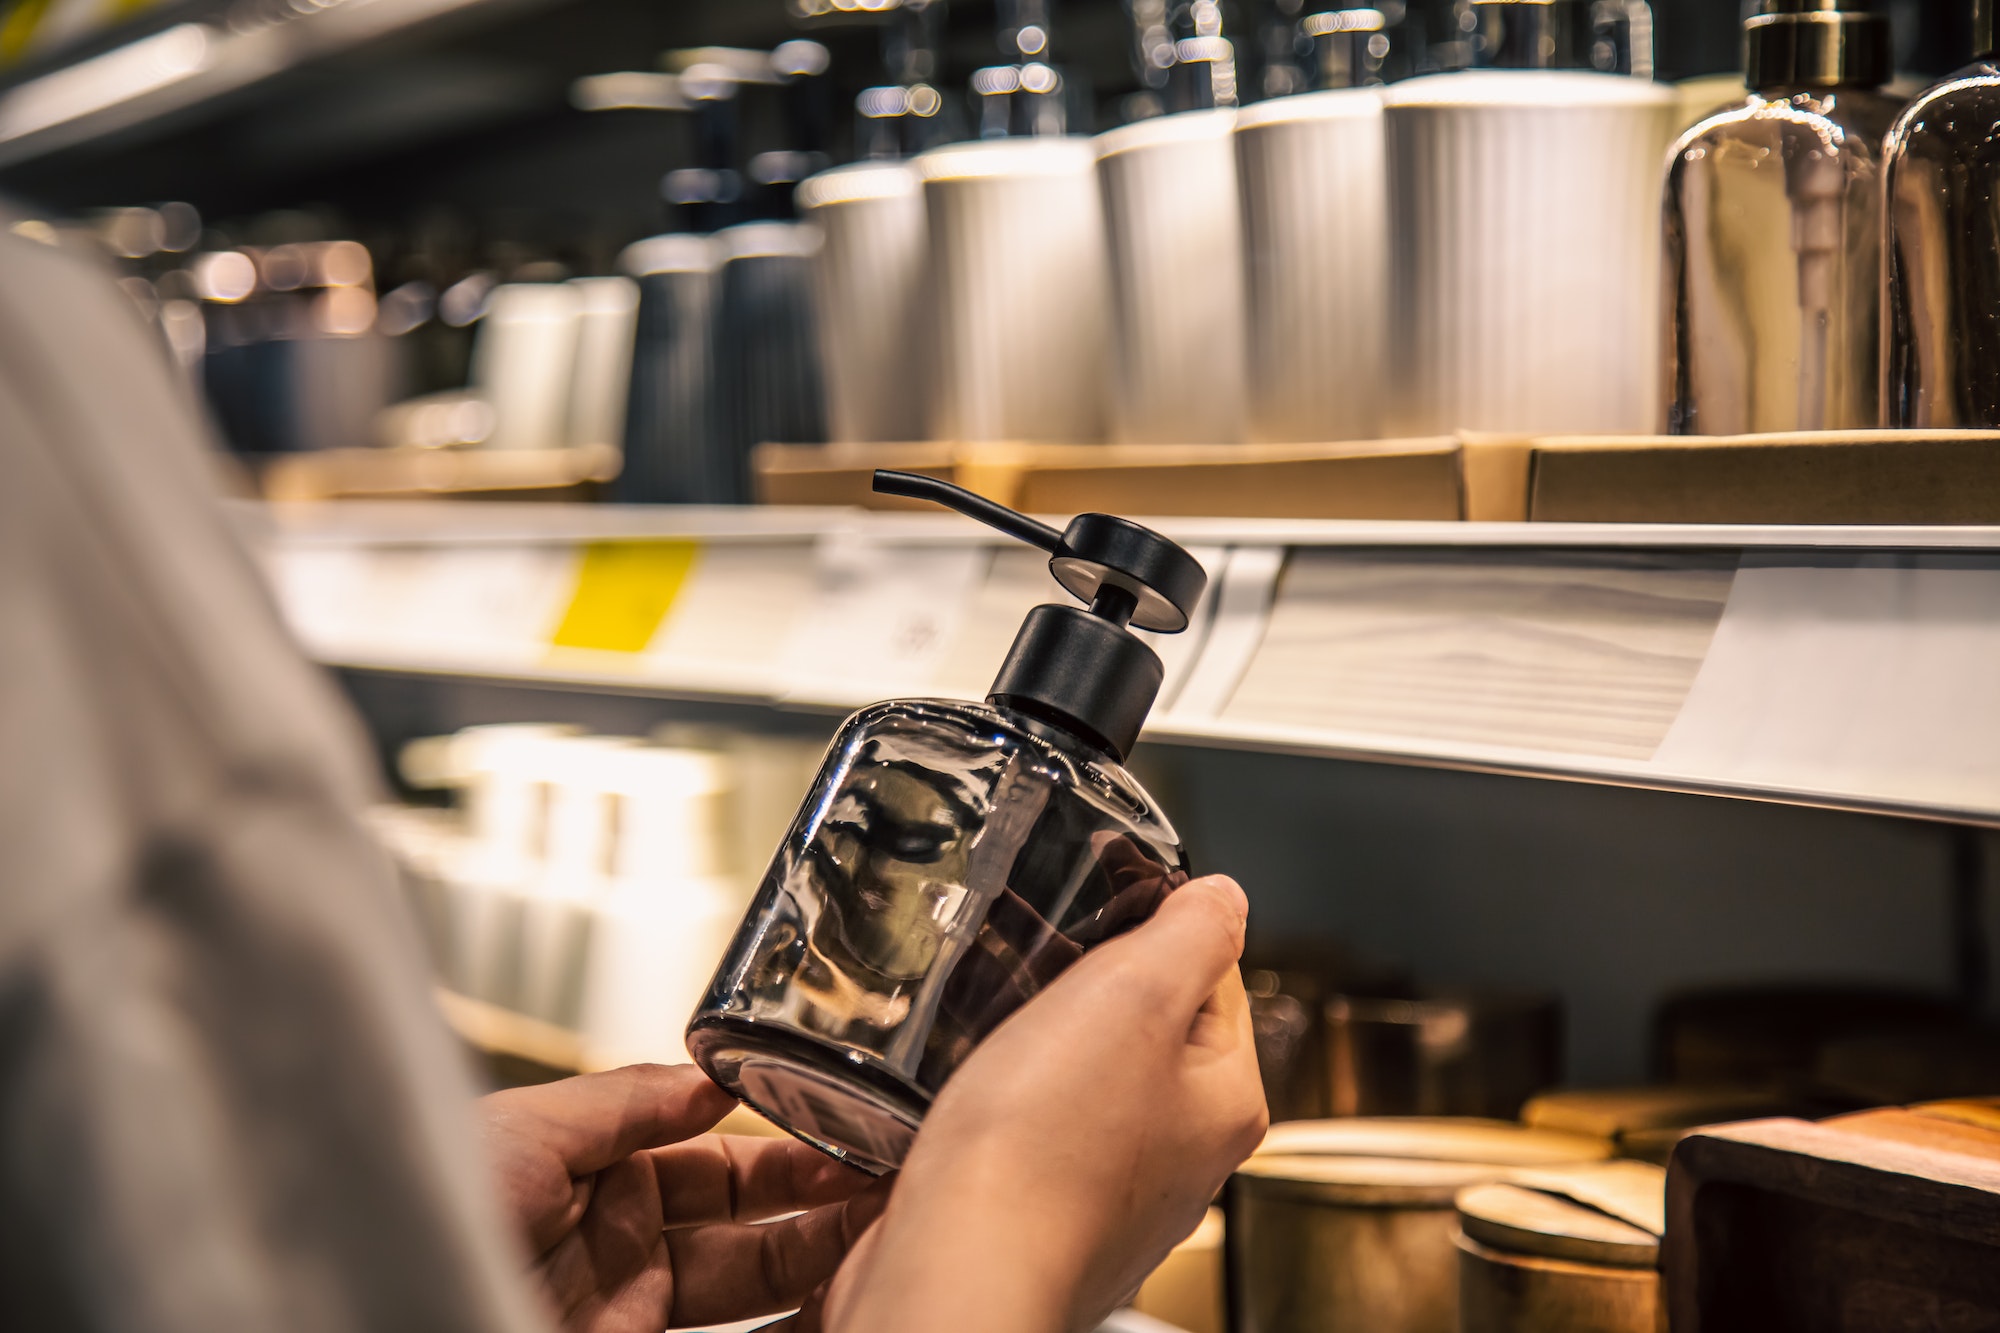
[
  {"x": 524, "y": 361},
  {"x": 1023, "y": 290},
  {"x": 607, "y": 320},
  {"x": 871, "y": 281},
  {"x": 1176, "y": 238},
  {"x": 1525, "y": 271},
  {"x": 1315, "y": 236}
]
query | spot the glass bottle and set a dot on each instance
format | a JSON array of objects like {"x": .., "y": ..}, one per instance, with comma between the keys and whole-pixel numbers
[
  {"x": 1773, "y": 238},
  {"x": 953, "y": 858},
  {"x": 1941, "y": 357}
]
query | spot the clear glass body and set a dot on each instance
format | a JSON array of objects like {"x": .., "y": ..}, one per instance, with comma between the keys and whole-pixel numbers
[
  {"x": 951, "y": 860},
  {"x": 1941, "y": 359},
  {"x": 1773, "y": 255}
]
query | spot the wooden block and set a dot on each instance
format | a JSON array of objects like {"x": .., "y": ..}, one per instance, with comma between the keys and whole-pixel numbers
[
  {"x": 844, "y": 474},
  {"x": 1781, "y": 1226},
  {"x": 1441, "y": 479},
  {"x": 1815, "y": 477},
  {"x": 1378, "y": 479},
  {"x": 515, "y": 474}
]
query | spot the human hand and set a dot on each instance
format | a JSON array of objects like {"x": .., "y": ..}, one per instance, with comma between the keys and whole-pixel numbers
[
  {"x": 1077, "y": 1145},
  {"x": 638, "y": 1220}
]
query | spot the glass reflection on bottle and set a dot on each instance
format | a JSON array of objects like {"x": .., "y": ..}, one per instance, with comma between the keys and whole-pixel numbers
[
  {"x": 952, "y": 860},
  {"x": 1773, "y": 261},
  {"x": 1942, "y": 357}
]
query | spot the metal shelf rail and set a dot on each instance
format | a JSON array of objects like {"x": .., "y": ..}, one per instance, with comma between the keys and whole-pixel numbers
[{"x": 1847, "y": 668}]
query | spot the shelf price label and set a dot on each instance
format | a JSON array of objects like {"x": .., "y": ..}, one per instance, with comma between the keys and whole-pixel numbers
[{"x": 624, "y": 590}]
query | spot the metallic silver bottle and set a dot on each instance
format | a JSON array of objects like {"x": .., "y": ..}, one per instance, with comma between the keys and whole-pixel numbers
[
  {"x": 1773, "y": 233},
  {"x": 1941, "y": 341}
]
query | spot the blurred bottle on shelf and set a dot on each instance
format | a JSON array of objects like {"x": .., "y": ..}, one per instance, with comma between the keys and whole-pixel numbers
[
  {"x": 905, "y": 113},
  {"x": 292, "y": 357},
  {"x": 1027, "y": 95},
  {"x": 1350, "y": 47},
  {"x": 1941, "y": 346},
  {"x": 1773, "y": 241}
]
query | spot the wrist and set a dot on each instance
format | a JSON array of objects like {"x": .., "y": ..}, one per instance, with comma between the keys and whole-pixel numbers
[{"x": 967, "y": 1249}]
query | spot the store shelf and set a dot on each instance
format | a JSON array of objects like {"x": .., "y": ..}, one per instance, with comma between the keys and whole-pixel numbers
[
  {"x": 1840, "y": 667},
  {"x": 332, "y": 474},
  {"x": 192, "y": 54},
  {"x": 497, "y": 1031}
]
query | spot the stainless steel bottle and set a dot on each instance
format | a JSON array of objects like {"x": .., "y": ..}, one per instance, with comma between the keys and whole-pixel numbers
[
  {"x": 1773, "y": 238},
  {"x": 1941, "y": 358},
  {"x": 953, "y": 858}
]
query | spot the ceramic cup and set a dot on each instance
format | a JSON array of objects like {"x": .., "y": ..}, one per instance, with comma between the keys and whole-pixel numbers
[
  {"x": 1525, "y": 224},
  {"x": 607, "y": 318},
  {"x": 1022, "y": 290},
  {"x": 1315, "y": 220},
  {"x": 524, "y": 360},
  {"x": 1176, "y": 243},
  {"x": 767, "y": 375},
  {"x": 871, "y": 279},
  {"x": 669, "y": 418}
]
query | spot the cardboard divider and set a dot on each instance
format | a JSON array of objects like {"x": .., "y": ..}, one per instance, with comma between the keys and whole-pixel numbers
[
  {"x": 1442, "y": 478},
  {"x": 1810, "y": 477}
]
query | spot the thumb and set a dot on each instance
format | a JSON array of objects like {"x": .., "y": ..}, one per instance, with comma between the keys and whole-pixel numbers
[
  {"x": 593, "y": 1120},
  {"x": 1175, "y": 961}
]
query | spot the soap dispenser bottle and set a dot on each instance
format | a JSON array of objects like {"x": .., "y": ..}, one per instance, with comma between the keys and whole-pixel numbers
[
  {"x": 1941, "y": 360},
  {"x": 952, "y": 858},
  {"x": 1773, "y": 243}
]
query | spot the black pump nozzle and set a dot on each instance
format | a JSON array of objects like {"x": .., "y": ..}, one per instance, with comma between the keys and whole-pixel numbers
[
  {"x": 1094, "y": 555},
  {"x": 1083, "y": 669}
]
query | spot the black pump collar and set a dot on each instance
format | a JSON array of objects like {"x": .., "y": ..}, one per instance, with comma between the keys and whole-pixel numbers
[{"x": 1084, "y": 669}]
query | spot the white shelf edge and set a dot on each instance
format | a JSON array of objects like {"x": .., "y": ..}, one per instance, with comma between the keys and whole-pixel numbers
[
  {"x": 1300, "y": 742},
  {"x": 416, "y": 522},
  {"x": 234, "y": 55}
]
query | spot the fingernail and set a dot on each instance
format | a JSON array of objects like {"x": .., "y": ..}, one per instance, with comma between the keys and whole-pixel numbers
[{"x": 1239, "y": 899}]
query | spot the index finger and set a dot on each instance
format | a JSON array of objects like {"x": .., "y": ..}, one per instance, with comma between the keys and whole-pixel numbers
[
  {"x": 593, "y": 1120},
  {"x": 732, "y": 1178},
  {"x": 1173, "y": 962}
]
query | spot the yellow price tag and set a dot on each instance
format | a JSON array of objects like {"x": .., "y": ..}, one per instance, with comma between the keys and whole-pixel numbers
[{"x": 623, "y": 592}]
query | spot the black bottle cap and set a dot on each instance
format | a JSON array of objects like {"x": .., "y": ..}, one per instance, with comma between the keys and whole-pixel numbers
[
  {"x": 1815, "y": 44},
  {"x": 1982, "y": 28},
  {"x": 1084, "y": 670}
]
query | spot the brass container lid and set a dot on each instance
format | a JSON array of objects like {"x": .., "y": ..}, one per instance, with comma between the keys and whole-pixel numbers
[
  {"x": 1610, "y": 1213},
  {"x": 1363, "y": 1182},
  {"x": 1402, "y": 1161},
  {"x": 1613, "y": 1113},
  {"x": 1815, "y": 44}
]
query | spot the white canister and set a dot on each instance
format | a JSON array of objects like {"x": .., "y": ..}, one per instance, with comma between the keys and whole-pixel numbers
[
  {"x": 1176, "y": 238},
  {"x": 1525, "y": 225},
  {"x": 1315, "y": 236},
  {"x": 671, "y": 908},
  {"x": 871, "y": 281},
  {"x": 1023, "y": 291},
  {"x": 524, "y": 363},
  {"x": 607, "y": 320}
]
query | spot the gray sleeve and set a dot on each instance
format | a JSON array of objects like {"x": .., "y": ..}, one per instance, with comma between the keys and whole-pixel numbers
[{"x": 226, "y": 1100}]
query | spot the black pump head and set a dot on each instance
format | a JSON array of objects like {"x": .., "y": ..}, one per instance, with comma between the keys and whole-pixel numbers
[{"x": 1084, "y": 670}]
